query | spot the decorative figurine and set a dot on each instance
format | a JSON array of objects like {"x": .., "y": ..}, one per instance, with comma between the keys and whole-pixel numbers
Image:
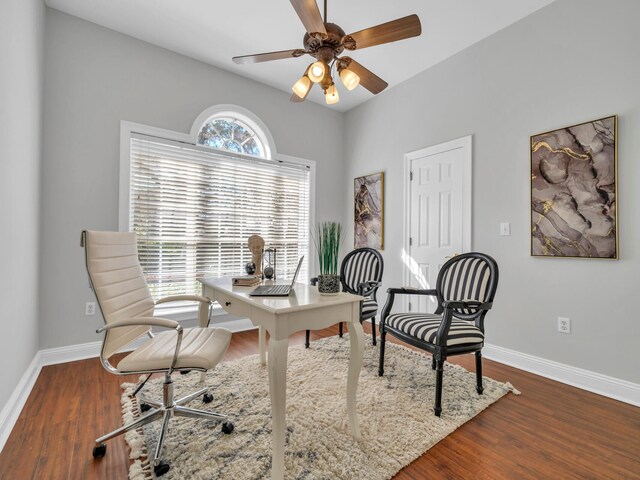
[
  {"x": 250, "y": 268},
  {"x": 256, "y": 245}
]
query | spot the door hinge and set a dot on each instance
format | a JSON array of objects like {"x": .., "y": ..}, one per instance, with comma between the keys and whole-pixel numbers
[
  {"x": 411, "y": 175},
  {"x": 410, "y": 241}
]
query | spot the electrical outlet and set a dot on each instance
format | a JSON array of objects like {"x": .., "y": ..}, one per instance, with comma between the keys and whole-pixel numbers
[
  {"x": 90, "y": 308},
  {"x": 505, "y": 229},
  {"x": 564, "y": 325}
]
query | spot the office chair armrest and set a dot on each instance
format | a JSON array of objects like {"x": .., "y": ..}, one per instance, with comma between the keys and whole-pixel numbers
[
  {"x": 410, "y": 291},
  {"x": 365, "y": 289},
  {"x": 150, "y": 321},
  {"x": 184, "y": 298},
  {"x": 157, "y": 321},
  {"x": 467, "y": 304},
  {"x": 204, "y": 309}
]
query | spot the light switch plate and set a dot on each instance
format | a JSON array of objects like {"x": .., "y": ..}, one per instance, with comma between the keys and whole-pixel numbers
[{"x": 505, "y": 229}]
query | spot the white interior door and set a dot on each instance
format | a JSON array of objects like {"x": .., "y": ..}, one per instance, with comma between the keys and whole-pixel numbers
[{"x": 438, "y": 212}]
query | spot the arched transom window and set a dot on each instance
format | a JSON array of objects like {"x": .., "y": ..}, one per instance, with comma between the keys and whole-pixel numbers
[{"x": 233, "y": 135}]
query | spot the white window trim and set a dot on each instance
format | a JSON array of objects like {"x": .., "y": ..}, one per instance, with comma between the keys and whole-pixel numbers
[{"x": 128, "y": 128}]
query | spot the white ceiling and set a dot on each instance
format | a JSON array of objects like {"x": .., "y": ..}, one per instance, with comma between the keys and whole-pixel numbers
[{"x": 214, "y": 31}]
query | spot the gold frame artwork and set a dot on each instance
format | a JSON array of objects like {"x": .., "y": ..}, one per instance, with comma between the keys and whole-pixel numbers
[
  {"x": 574, "y": 191},
  {"x": 368, "y": 211}
]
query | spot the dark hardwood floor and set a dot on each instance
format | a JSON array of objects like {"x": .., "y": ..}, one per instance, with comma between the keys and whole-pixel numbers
[{"x": 551, "y": 431}]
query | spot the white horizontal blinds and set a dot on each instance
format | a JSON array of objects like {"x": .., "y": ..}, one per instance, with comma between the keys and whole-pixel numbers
[{"x": 193, "y": 209}]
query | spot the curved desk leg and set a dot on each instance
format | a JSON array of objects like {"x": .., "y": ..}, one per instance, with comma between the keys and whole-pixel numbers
[
  {"x": 356, "y": 338},
  {"x": 278, "y": 350},
  {"x": 262, "y": 337}
]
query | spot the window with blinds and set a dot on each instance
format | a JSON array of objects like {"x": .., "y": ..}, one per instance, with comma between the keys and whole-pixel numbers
[{"x": 193, "y": 209}]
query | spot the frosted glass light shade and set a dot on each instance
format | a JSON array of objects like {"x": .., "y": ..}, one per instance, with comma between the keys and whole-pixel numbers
[
  {"x": 317, "y": 71},
  {"x": 331, "y": 95},
  {"x": 301, "y": 87},
  {"x": 349, "y": 78}
]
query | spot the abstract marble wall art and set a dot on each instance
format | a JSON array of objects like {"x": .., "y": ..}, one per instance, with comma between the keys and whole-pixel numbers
[
  {"x": 368, "y": 220},
  {"x": 573, "y": 191}
]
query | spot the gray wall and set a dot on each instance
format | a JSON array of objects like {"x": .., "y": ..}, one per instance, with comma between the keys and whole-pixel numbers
[
  {"x": 94, "y": 78},
  {"x": 573, "y": 61},
  {"x": 21, "y": 57}
]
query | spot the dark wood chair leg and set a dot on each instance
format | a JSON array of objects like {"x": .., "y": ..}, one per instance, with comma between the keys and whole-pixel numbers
[
  {"x": 340, "y": 330},
  {"x": 437, "y": 409},
  {"x": 383, "y": 336},
  {"x": 306, "y": 340},
  {"x": 373, "y": 329},
  {"x": 479, "y": 387}
]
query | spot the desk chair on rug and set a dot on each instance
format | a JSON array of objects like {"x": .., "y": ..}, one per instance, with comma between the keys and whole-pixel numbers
[
  {"x": 361, "y": 274},
  {"x": 127, "y": 308},
  {"x": 465, "y": 289}
]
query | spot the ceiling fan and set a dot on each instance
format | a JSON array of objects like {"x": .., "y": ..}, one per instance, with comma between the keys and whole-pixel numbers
[{"x": 326, "y": 41}]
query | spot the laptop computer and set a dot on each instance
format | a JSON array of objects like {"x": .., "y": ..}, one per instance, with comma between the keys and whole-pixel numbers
[{"x": 277, "y": 290}]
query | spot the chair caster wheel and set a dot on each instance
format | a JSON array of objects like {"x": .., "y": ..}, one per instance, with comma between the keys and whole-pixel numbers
[
  {"x": 161, "y": 468},
  {"x": 99, "y": 451},
  {"x": 207, "y": 398},
  {"x": 145, "y": 407},
  {"x": 227, "y": 427}
]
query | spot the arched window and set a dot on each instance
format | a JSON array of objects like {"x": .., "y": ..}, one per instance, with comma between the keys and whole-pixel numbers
[{"x": 233, "y": 135}]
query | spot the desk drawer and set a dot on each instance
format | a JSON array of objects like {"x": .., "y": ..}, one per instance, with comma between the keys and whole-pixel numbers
[{"x": 233, "y": 305}]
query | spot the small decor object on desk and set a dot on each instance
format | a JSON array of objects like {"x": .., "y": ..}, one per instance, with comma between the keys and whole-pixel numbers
[
  {"x": 250, "y": 268},
  {"x": 256, "y": 245},
  {"x": 246, "y": 281},
  {"x": 327, "y": 243},
  {"x": 269, "y": 258}
]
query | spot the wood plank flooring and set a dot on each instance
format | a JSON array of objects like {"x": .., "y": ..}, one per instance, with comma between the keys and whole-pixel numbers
[{"x": 551, "y": 431}]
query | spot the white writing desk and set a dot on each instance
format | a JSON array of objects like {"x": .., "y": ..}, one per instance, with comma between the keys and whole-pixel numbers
[{"x": 305, "y": 309}]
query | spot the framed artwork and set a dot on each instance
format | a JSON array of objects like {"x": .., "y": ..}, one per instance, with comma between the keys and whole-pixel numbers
[
  {"x": 574, "y": 208},
  {"x": 368, "y": 219}
]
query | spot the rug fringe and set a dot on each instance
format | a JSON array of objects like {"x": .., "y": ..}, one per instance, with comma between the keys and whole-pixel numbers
[
  {"x": 513, "y": 389},
  {"x": 140, "y": 469}
]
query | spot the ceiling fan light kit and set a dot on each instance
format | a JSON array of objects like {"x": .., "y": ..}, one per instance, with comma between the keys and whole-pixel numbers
[
  {"x": 331, "y": 95},
  {"x": 349, "y": 78},
  {"x": 326, "y": 41},
  {"x": 317, "y": 71}
]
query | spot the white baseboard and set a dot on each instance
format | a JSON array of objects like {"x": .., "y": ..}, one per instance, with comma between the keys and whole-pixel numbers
[
  {"x": 611, "y": 387},
  {"x": 11, "y": 410}
]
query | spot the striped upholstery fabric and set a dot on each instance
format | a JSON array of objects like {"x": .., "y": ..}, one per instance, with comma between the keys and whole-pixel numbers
[
  {"x": 369, "y": 308},
  {"x": 361, "y": 267},
  {"x": 466, "y": 279},
  {"x": 424, "y": 326}
]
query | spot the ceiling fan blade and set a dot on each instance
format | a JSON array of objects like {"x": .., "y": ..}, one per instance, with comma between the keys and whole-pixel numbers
[
  {"x": 309, "y": 14},
  {"x": 267, "y": 57},
  {"x": 368, "y": 79},
  {"x": 405, "y": 27}
]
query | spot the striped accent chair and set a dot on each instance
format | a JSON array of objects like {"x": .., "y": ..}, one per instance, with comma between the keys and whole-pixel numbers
[
  {"x": 361, "y": 274},
  {"x": 465, "y": 289}
]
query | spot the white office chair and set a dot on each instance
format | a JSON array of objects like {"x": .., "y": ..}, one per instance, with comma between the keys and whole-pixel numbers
[{"x": 127, "y": 308}]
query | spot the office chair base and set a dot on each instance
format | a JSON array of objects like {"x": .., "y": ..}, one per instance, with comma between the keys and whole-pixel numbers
[
  {"x": 161, "y": 468},
  {"x": 154, "y": 410}
]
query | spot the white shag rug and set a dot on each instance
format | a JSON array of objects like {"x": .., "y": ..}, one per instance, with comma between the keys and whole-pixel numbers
[{"x": 395, "y": 413}]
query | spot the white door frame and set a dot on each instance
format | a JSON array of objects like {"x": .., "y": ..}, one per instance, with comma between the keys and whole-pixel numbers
[{"x": 466, "y": 144}]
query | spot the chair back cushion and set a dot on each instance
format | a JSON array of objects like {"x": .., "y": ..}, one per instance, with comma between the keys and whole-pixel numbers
[
  {"x": 470, "y": 276},
  {"x": 119, "y": 284},
  {"x": 358, "y": 266}
]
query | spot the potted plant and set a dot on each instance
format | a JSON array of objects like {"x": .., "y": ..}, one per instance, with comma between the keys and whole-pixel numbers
[{"x": 327, "y": 241}]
